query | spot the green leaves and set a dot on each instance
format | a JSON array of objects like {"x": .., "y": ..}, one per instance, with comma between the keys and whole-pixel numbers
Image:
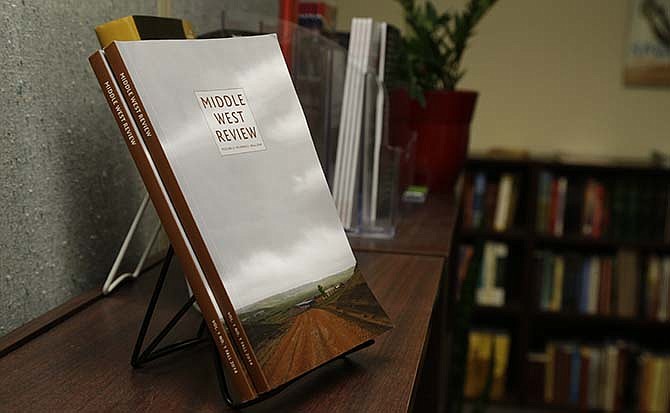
[{"x": 435, "y": 44}]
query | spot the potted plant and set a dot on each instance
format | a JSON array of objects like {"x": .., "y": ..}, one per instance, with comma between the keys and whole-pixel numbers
[{"x": 433, "y": 48}]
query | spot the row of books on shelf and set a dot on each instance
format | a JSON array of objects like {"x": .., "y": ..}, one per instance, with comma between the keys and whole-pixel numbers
[
  {"x": 604, "y": 284},
  {"x": 615, "y": 376},
  {"x": 588, "y": 284},
  {"x": 490, "y": 201},
  {"x": 490, "y": 264},
  {"x": 487, "y": 349},
  {"x": 623, "y": 209},
  {"x": 657, "y": 288}
]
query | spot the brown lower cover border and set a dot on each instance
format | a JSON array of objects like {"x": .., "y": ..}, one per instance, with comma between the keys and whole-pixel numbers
[
  {"x": 241, "y": 386},
  {"x": 148, "y": 134}
]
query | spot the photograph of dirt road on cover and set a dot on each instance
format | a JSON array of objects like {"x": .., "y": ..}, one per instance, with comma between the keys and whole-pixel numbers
[{"x": 300, "y": 329}]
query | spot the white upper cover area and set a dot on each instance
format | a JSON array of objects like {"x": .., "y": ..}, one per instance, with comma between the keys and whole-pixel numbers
[{"x": 264, "y": 210}]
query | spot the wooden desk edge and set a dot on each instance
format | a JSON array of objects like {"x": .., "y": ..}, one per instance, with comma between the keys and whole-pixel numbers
[{"x": 41, "y": 324}]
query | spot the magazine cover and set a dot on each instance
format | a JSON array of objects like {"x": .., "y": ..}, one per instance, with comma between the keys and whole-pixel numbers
[{"x": 224, "y": 126}]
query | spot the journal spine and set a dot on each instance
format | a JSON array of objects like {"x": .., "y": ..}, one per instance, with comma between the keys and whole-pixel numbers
[
  {"x": 148, "y": 134},
  {"x": 234, "y": 370},
  {"x": 120, "y": 29}
]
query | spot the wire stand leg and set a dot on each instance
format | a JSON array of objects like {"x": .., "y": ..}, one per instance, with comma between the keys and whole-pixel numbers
[
  {"x": 140, "y": 357},
  {"x": 112, "y": 280}
]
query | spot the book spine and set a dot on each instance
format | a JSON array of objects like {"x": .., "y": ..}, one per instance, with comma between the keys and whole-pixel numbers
[
  {"x": 466, "y": 255},
  {"x": 537, "y": 364},
  {"x": 644, "y": 379},
  {"x": 575, "y": 374},
  {"x": 514, "y": 200},
  {"x": 658, "y": 207},
  {"x": 594, "y": 379},
  {"x": 559, "y": 271},
  {"x": 501, "y": 344},
  {"x": 553, "y": 204},
  {"x": 617, "y": 210},
  {"x": 490, "y": 202},
  {"x": 543, "y": 196},
  {"x": 571, "y": 285},
  {"x": 632, "y": 377},
  {"x": 478, "y": 202},
  {"x": 487, "y": 276},
  {"x": 148, "y": 134},
  {"x": 605, "y": 287},
  {"x": 559, "y": 222},
  {"x": 547, "y": 281},
  {"x": 665, "y": 385},
  {"x": 587, "y": 211},
  {"x": 562, "y": 373},
  {"x": 633, "y": 211},
  {"x": 663, "y": 295},
  {"x": 594, "y": 285},
  {"x": 651, "y": 288},
  {"x": 120, "y": 29},
  {"x": 602, "y": 220},
  {"x": 584, "y": 370},
  {"x": 647, "y": 212},
  {"x": 611, "y": 356},
  {"x": 619, "y": 384},
  {"x": 573, "y": 208},
  {"x": 584, "y": 286},
  {"x": 612, "y": 296},
  {"x": 550, "y": 376},
  {"x": 232, "y": 366},
  {"x": 502, "y": 252},
  {"x": 502, "y": 203}
]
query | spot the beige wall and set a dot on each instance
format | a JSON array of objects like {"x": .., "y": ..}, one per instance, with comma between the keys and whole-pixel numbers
[{"x": 549, "y": 75}]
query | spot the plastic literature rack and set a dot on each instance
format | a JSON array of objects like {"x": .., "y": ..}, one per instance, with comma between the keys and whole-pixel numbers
[{"x": 376, "y": 193}]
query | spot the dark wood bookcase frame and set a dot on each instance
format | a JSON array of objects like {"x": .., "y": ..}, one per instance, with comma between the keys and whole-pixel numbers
[{"x": 528, "y": 326}]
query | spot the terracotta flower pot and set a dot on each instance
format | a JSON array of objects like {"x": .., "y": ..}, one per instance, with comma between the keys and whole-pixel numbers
[{"x": 443, "y": 135}]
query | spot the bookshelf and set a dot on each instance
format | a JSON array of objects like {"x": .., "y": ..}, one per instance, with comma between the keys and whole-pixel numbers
[{"x": 642, "y": 229}]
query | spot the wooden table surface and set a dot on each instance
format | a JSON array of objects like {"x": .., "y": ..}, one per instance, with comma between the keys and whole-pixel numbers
[
  {"x": 83, "y": 363},
  {"x": 427, "y": 230}
]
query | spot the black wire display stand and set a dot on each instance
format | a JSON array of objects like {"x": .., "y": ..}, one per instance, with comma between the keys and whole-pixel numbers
[{"x": 151, "y": 352}]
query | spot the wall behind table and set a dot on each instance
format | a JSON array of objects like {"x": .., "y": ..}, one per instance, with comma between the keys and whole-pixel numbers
[
  {"x": 68, "y": 187},
  {"x": 549, "y": 75}
]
